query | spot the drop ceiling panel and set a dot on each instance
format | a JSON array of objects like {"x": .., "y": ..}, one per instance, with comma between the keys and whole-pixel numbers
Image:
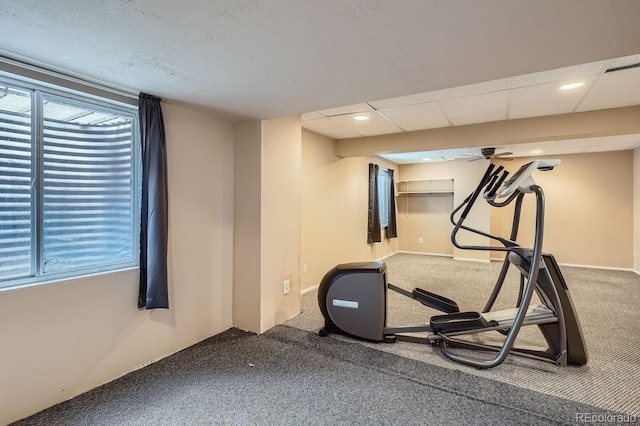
[
  {"x": 457, "y": 154},
  {"x": 546, "y": 99},
  {"x": 612, "y": 147},
  {"x": 417, "y": 117},
  {"x": 431, "y": 156},
  {"x": 560, "y": 75},
  {"x": 311, "y": 116},
  {"x": 477, "y": 108},
  {"x": 525, "y": 149},
  {"x": 405, "y": 157},
  {"x": 563, "y": 150},
  {"x": 612, "y": 90},
  {"x": 604, "y": 140},
  {"x": 471, "y": 90},
  {"x": 350, "y": 109},
  {"x": 375, "y": 125},
  {"x": 402, "y": 101},
  {"x": 327, "y": 127},
  {"x": 624, "y": 61}
]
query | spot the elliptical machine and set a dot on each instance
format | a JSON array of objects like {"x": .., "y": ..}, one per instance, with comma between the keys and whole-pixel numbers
[{"x": 353, "y": 297}]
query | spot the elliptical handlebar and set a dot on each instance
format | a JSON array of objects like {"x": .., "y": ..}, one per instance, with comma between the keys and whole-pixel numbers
[
  {"x": 534, "y": 267},
  {"x": 491, "y": 181}
]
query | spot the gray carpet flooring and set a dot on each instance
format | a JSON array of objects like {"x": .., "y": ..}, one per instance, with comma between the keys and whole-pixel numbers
[
  {"x": 606, "y": 301},
  {"x": 289, "y": 376}
]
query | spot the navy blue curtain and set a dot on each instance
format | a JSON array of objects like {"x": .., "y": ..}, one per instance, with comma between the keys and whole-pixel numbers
[
  {"x": 373, "y": 224},
  {"x": 154, "y": 208}
]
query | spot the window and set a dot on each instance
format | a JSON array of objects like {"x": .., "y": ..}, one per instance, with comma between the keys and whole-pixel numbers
[
  {"x": 69, "y": 184},
  {"x": 384, "y": 191}
]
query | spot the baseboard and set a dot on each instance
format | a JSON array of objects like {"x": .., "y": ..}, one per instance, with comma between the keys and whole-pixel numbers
[
  {"x": 469, "y": 259},
  {"x": 604, "y": 268},
  {"x": 450, "y": 256},
  {"x": 388, "y": 255},
  {"x": 309, "y": 289},
  {"x": 426, "y": 254},
  {"x": 575, "y": 265}
]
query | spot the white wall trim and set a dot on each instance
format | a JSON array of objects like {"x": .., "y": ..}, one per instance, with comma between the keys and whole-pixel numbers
[
  {"x": 388, "y": 255},
  {"x": 470, "y": 259},
  {"x": 575, "y": 265},
  {"x": 309, "y": 289},
  {"x": 426, "y": 254},
  {"x": 604, "y": 268}
]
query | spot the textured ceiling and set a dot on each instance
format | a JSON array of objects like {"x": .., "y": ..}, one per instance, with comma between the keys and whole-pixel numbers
[{"x": 259, "y": 59}]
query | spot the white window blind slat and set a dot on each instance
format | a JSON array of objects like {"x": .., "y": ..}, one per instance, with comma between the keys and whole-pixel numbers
[
  {"x": 97, "y": 165},
  {"x": 15, "y": 183},
  {"x": 68, "y": 197}
]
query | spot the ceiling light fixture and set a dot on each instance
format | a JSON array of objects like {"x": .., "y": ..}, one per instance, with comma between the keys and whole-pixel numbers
[
  {"x": 426, "y": 159},
  {"x": 536, "y": 151},
  {"x": 570, "y": 86},
  {"x": 361, "y": 117}
]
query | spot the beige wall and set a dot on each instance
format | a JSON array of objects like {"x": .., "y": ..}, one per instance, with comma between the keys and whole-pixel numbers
[
  {"x": 62, "y": 339},
  {"x": 334, "y": 209},
  {"x": 428, "y": 216},
  {"x": 636, "y": 210},
  {"x": 280, "y": 250},
  {"x": 267, "y": 223},
  {"x": 589, "y": 209},
  {"x": 247, "y": 226}
]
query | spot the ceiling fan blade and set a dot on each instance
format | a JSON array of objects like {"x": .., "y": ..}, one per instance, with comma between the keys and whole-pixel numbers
[
  {"x": 502, "y": 158},
  {"x": 500, "y": 154}
]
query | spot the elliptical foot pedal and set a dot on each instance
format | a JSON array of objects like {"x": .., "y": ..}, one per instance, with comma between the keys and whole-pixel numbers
[
  {"x": 458, "y": 321},
  {"x": 435, "y": 301}
]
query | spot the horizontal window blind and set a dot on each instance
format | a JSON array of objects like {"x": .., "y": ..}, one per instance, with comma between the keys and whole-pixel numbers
[
  {"x": 15, "y": 183},
  {"x": 69, "y": 185},
  {"x": 87, "y": 192}
]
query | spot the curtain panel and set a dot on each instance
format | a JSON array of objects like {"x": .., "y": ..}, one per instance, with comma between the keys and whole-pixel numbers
[
  {"x": 373, "y": 223},
  {"x": 154, "y": 207}
]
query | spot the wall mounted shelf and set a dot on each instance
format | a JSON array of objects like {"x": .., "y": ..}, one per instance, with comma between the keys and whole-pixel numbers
[{"x": 407, "y": 187}]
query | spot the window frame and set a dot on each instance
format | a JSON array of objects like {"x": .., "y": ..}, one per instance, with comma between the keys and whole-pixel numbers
[
  {"x": 384, "y": 192},
  {"x": 40, "y": 89}
]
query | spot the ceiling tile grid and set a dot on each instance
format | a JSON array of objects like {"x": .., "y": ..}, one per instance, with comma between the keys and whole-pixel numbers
[
  {"x": 612, "y": 90},
  {"x": 545, "y": 99},
  {"x": 417, "y": 117},
  {"x": 403, "y": 101},
  {"x": 350, "y": 109},
  {"x": 376, "y": 124},
  {"x": 476, "y": 108},
  {"x": 326, "y": 126}
]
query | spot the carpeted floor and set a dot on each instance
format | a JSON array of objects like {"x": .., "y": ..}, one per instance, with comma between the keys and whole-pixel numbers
[
  {"x": 289, "y": 376},
  {"x": 606, "y": 301}
]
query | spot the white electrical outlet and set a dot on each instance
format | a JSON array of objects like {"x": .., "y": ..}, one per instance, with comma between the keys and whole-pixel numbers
[
  {"x": 304, "y": 268},
  {"x": 286, "y": 286},
  {"x": 420, "y": 240}
]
